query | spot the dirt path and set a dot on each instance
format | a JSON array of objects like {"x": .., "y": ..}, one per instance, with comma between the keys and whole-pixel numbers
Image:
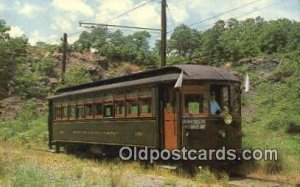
[{"x": 91, "y": 172}]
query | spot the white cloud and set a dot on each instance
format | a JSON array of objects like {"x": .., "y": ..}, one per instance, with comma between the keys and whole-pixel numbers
[
  {"x": 28, "y": 10},
  {"x": 178, "y": 14},
  {"x": 37, "y": 37},
  {"x": 15, "y": 31},
  {"x": 2, "y": 6},
  {"x": 61, "y": 24},
  {"x": 73, "y": 39},
  {"x": 108, "y": 9},
  {"x": 73, "y": 6},
  {"x": 146, "y": 16}
]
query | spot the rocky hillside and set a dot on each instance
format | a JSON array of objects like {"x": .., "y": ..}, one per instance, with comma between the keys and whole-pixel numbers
[{"x": 46, "y": 66}]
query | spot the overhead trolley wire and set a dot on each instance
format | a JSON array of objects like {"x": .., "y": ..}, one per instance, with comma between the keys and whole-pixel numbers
[
  {"x": 218, "y": 15},
  {"x": 128, "y": 11},
  {"x": 248, "y": 13},
  {"x": 222, "y": 13}
]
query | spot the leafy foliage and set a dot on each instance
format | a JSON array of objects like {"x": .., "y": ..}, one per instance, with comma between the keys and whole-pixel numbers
[
  {"x": 115, "y": 46},
  {"x": 232, "y": 40},
  {"x": 12, "y": 52},
  {"x": 76, "y": 75},
  {"x": 27, "y": 126}
]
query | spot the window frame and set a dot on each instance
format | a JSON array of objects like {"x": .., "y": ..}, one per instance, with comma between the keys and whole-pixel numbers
[
  {"x": 119, "y": 96},
  {"x": 57, "y": 109},
  {"x": 145, "y": 114},
  {"x": 106, "y": 102},
  {"x": 91, "y": 109},
  {"x": 117, "y": 114},
  {"x": 186, "y": 107},
  {"x": 145, "y": 96},
  {"x": 79, "y": 106},
  {"x": 98, "y": 116},
  {"x": 98, "y": 100},
  {"x": 112, "y": 110},
  {"x": 194, "y": 90},
  {"x": 63, "y": 107},
  {"x": 128, "y": 101},
  {"x": 220, "y": 96},
  {"x": 70, "y": 106}
]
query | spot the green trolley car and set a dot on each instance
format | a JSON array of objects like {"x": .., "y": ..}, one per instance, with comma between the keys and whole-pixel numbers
[{"x": 168, "y": 108}]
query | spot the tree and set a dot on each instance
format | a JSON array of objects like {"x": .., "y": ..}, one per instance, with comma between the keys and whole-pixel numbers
[
  {"x": 13, "y": 51},
  {"x": 184, "y": 40},
  {"x": 212, "y": 50},
  {"x": 275, "y": 36}
]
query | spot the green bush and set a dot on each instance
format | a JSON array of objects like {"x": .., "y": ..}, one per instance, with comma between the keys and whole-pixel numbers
[
  {"x": 28, "y": 83},
  {"x": 27, "y": 126},
  {"x": 76, "y": 75},
  {"x": 45, "y": 67}
]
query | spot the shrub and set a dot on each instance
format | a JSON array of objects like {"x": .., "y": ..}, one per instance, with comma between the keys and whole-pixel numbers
[
  {"x": 76, "y": 75},
  {"x": 288, "y": 123},
  {"x": 27, "y": 126},
  {"x": 45, "y": 67}
]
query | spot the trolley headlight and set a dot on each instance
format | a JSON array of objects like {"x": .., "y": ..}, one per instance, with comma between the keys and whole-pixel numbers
[{"x": 228, "y": 119}]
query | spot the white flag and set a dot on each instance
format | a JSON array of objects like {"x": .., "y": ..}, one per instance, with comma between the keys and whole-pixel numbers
[
  {"x": 247, "y": 83},
  {"x": 179, "y": 80}
]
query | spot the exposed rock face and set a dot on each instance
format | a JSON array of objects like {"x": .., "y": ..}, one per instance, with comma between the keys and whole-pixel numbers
[
  {"x": 265, "y": 63},
  {"x": 95, "y": 64},
  {"x": 9, "y": 107}
]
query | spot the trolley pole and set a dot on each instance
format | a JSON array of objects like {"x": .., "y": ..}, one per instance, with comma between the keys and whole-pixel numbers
[
  {"x": 64, "y": 59},
  {"x": 163, "y": 33}
]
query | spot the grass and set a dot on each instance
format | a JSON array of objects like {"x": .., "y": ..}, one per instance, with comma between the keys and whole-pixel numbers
[
  {"x": 206, "y": 176},
  {"x": 275, "y": 121},
  {"x": 27, "y": 166},
  {"x": 23, "y": 174}
]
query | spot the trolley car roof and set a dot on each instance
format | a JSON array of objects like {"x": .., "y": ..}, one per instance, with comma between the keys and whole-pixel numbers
[{"x": 165, "y": 74}]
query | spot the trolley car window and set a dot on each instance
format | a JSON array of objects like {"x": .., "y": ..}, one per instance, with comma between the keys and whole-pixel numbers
[
  {"x": 120, "y": 108},
  {"x": 98, "y": 109},
  {"x": 220, "y": 94},
  {"x": 145, "y": 106},
  {"x": 193, "y": 103},
  {"x": 88, "y": 108},
  {"x": 72, "y": 112},
  {"x": 80, "y": 112},
  {"x": 65, "y": 112},
  {"x": 132, "y": 107},
  {"x": 57, "y": 112},
  {"x": 108, "y": 110}
]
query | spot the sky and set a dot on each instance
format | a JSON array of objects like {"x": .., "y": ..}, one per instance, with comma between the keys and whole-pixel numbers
[{"x": 47, "y": 20}]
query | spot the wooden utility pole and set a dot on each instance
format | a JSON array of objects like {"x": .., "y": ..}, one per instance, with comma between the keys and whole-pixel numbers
[
  {"x": 163, "y": 51},
  {"x": 64, "y": 59}
]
